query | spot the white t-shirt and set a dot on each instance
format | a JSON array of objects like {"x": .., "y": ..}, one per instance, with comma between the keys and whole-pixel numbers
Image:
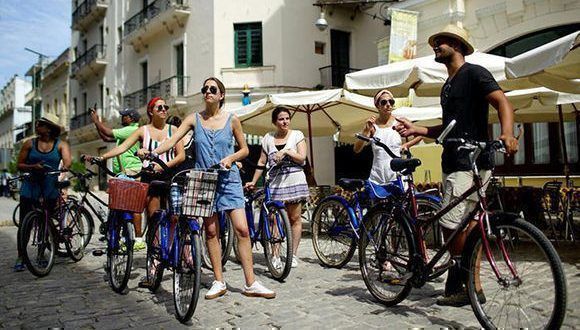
[{"x": 381, "y": 172}]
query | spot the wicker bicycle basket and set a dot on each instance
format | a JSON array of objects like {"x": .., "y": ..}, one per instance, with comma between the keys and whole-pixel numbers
[
  {"x": 127, "y": 195},
  {"x": 199, "y": 193}
]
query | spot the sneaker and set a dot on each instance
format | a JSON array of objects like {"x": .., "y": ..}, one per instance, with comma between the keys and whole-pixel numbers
[
  {"x": 277, "y": 263},
  {"x": 460, "y": 299},
  {"x": 19, "y": 266},
  {"x": 258, "y": 290},
  {"x": 294, "y": 261},
  {"x": 139, "y": 246},
  {"x": 217, "y": 289}
]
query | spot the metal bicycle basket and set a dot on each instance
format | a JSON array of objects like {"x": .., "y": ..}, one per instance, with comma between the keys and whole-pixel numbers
[
  {"x": 127, "y": 195},
  {"x": 199, "y": 193}
]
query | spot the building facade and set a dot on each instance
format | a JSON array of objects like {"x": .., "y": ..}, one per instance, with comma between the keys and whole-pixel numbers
[
  {"x": 126, "y": 52},
  {"x": 54, "y": 90},
  {"x": 14, "y": 115},
  {"x": 168, "y": 47}
]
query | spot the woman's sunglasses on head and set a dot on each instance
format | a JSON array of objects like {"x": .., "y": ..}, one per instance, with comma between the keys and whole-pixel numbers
[
  {"x": 162, "y": 107},
  {"x": 212, "y": 89},
  {"x": 384, "y": 102}
]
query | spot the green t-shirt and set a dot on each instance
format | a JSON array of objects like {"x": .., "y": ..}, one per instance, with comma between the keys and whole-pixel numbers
[{"x": 128, "y": 158}]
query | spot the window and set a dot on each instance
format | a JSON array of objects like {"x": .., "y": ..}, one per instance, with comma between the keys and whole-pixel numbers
[
  {"x": 248, "y": 44},
  {"x": 319, "y": 47},
  {"x": 144, "y": 77},
  {"x": 74, "y": 105},
  {"x": 541, "y": 143}
]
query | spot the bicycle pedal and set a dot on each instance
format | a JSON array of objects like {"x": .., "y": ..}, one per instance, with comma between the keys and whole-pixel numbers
[{"x": 98, "y": 253}]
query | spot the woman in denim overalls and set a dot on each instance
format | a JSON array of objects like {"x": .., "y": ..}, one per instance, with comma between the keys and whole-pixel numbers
[{"x": 214, "y": 134}]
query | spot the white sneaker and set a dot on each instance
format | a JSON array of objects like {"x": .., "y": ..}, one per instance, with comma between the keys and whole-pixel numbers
[
  {"x": 258, "y": 290},
  {"x": 277, "y": 263},
  {"x": 294, "y": 261},
  {"x": 217, "y": 289}
]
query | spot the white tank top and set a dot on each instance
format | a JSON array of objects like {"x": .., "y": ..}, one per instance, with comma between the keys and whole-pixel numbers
[{"x": 381, "y": 172}]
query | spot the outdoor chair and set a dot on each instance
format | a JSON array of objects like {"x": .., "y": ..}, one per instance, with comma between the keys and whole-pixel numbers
[{"x": 556, "y": 211}]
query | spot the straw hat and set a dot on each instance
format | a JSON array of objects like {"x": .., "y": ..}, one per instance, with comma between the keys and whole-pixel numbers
[
  {"x": 246, "y": 89},
  {"x": 455, "y": 32},
  {"x": 51, "y": 120}
]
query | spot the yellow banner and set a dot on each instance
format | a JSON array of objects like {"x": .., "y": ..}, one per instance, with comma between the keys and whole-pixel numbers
[{"x": 403, "y": 42}]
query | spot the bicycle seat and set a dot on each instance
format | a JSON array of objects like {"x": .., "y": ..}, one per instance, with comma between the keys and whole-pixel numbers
[
  {"x": 63, "y": 184},
  {"x": 158, "y": 184},
  {"x": 351, "y": 184},
  {"x": 405, "y": 165}
]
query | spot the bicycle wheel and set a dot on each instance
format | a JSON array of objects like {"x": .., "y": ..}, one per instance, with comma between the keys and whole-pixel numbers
[
  {"x": 86, "y": 218},
  {"x": 333, "y": 238},
  {"x": 16, "y": 215},
  {"x": 226, "y": 243},
  {"x": 73, "y": 234},
  {"x": 119, "y": 251},
  {"x": 533, "y": 299},
  {"x": 153, "y": 263},
  {"x": 187, "y": 274},
  {"x": 385, "y": 250},
  {"x": 432, "y": 234},
  {"x": 36, "y": 244},
  {"x": 277, "y": 247}
]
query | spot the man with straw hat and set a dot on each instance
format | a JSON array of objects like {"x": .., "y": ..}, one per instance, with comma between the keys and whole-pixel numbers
[{"x": 465, "y": 97}]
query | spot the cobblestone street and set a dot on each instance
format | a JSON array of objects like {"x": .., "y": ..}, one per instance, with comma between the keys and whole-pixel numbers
[{"x": 75, "y": 295}]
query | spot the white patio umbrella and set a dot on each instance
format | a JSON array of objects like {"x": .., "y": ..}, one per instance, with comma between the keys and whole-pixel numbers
[
  {"x": 545, "y": 105},
  {"x": 316, "y": 113},
  {"x": 424, "y": 75},
  {"x": 555, "y": 65}
]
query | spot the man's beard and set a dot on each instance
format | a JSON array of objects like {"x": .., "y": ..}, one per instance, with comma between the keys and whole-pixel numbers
[{"x": 442, "y": 58}]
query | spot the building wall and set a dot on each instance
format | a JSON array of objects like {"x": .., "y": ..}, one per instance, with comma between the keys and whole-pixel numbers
[{"x": 13, "y": 113}]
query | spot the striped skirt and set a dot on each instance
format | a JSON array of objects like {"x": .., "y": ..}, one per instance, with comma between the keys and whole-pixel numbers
[{"x": 289, "y": 186}]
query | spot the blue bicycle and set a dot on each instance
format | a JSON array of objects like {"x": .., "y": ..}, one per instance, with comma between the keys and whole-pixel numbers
[
  {"x": 273, "y": 229},
  {"x": 337, "y": 220},
  {"x": 126, "y": 197},
  {"x": 173, "y": 238}
]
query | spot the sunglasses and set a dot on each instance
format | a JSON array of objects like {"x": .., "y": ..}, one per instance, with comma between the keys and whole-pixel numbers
[
  {"x": 162, "y": 107},
  {"x": 212, "y": 89},
  {"x": 384, "y": 102}
]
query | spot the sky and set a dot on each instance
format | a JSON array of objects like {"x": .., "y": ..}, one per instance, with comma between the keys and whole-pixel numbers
[{"x": 41, "y": 25}]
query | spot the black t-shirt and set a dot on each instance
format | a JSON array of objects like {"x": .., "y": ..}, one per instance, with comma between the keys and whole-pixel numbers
[{"x": 463, "y": 99}]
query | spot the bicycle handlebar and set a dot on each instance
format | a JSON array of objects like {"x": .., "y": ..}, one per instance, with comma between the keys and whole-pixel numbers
[
  {"x": 445, "y": 132},
  {"x": 99, "y": 162},
  {"x": 155, "y": 158},
  {"x": 378, "y": 142}
]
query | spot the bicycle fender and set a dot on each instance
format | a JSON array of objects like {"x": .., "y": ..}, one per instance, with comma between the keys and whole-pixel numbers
[
  {"x": 429, "y": 197},
  {"x": 277, "y": 204},
  {"x": 342, "y": 201}
]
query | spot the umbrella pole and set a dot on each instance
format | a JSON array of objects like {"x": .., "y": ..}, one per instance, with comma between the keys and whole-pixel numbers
[
  {"x": 310, "y": 138},
  {"x": 563, "y": 145}
]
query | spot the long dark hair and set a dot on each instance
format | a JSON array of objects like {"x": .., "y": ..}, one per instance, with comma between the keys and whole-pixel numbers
[{"x": 221, "y": 87}]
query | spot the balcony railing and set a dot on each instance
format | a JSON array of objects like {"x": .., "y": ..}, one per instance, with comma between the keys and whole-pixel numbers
[
  {"x": 84, "y": 9},
  {"x": 80, "y": 120},
  {"x": 333, "y": 76},
  {"x": 151, "y": 11},
  {"x": 169, "y": 88},
  {"x": 97, "y": 52}
]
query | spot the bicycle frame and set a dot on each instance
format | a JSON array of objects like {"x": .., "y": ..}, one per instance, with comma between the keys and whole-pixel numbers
[
  {"x": 261, "y": 231},
  {"x": 482, "y": 223},
  {"x": 168, "y": 238}
]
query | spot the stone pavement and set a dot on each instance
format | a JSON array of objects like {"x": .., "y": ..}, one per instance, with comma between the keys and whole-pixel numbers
[{"x": 75, "y": 296}]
